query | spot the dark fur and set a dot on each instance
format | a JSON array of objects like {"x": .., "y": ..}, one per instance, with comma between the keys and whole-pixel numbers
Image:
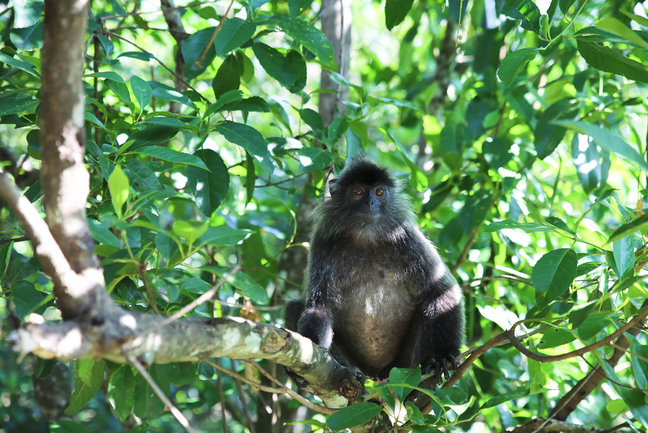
[{"x": 379, "y": 295}]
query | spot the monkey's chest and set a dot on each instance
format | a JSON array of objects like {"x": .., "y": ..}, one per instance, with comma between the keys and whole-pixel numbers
[{"x": 372, "y": 315}]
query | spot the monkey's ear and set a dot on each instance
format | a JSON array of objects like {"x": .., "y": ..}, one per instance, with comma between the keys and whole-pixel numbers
[{"x": 333, "y": 187}]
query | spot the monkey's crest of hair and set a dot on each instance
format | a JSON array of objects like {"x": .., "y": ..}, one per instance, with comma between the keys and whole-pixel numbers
[{"x": 335, "y": 219}]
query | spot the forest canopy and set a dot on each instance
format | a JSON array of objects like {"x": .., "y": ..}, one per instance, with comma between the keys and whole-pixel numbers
[{"x": 177, "y": 149}]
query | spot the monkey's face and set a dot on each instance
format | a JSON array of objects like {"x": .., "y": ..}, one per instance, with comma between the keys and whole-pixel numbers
[{"x": 367, "y": 201}]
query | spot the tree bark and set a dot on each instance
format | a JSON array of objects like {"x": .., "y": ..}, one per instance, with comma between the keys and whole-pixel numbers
[
  {"x": 65, "y": 180},
  {"x": 336, "y": 26}
]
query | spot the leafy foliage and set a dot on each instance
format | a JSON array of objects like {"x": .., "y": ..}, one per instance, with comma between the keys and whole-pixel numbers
[{"x": 520, "y": 131}]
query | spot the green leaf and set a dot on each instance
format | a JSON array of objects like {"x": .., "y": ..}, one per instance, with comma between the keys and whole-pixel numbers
[
  {"x": 592, "y": 165},
  {"x": 407, "y": 376},
  {"x": 26, "y": 13},
  {"x": 396, "y": 11},
  {"x": 246, "y": 285},
  {"x": 297, "y": 7},
  {"x": 353, "y": 415},
  {"x": 102, "y": 235},
  {"x": 170, "y": 155},
  {"x": 606, "y": 140},
  {"x": 502, "y": 398},
  {"x": 452, "y": 395},
  {"x": 223, "y": 101},
  {"x": 10, "y": 103},
  {"x": 592, "y": 325},
  {"x": 553, "y": 273},
  {"x": 162, "y": 91},
  {"x": 67, "y": 426},
  {"x": 559, "y": 224},
  {"x": 414, "y": 414},
  {"x": 194, "y": 47},
  {"x": 639, "y": 364},
  {"x": 120, "y": 89},
  {"x": 618, "y": 28},
  {"x": 248, "y": 138},
  {"x": 121, "y": 391},
  {"x": 634, "y": 399},
  {"x": 639, "y": 224},
  {"x": 313, "y": 120},
  {"x": 497, "y": 152},
  {"x": 554, "y": 337},
  {"x": 250, "y": 177},
  {"x": 548, "y": 133},
  {"x": 88, "y": 377},
  {"x": 108, "y": 75},
  {"x": 608, "y": 60},
  {"x": 18, "y": 64},
  {"x": 289, "y": 69},
  {"x": 526, "y": 10},
  {"x": 189, "y": 230},
  {"x": 209, "y": 186},
  {"x": 234, "y": 33},
  {"x": 313, "y": 158},
  {"x": 624, "y": 257},
  {"x": 138, "y": 55},
  {"x": 513, "y": 64},
  {"x": 252, "y": 104},
  {"x": 142, "y": 91},
  {"x": 228, "y": 76},
  {"x": 147, "y": 403},
  {"x": 304, "y": 33},
  {"x": 119, "y": 188}
]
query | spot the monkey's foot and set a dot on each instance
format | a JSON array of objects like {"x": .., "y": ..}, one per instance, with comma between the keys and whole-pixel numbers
[{"x": 440, "y": 367}]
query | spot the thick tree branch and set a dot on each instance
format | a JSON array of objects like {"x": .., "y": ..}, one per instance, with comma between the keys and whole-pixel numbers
[
  {"x": 138, "y": 335},
  {"x": 78, "y": 280},
  {"x": 71, "y": 287}
]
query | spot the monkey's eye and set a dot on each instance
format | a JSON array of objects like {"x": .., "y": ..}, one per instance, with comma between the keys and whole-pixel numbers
[
  {"x": 358, "y": 191},
  {"x": 380, "y": 191}
]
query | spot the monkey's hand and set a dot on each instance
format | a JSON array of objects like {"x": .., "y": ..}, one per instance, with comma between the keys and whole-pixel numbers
[
  {"x": 350, "y": 382},
  {"x": 439, "y": 365}
]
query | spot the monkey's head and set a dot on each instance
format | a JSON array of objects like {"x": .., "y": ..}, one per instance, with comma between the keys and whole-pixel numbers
[{"x": 365, "y": 204}]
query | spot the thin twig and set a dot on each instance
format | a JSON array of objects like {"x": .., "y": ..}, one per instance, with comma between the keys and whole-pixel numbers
[
  {"x": 184, "y": 422},
  {"x": 510, "y": 335},
  {"x": 244, "y": 379},
  {"x": 246, "y": 412},
  {"x": 189, "y": 86},
  {"x": 149, "y": 292},
  {"x": 219, "y": 383},
  {"x": 290, "y": 392},
  {"x": 198, "y": 62}
]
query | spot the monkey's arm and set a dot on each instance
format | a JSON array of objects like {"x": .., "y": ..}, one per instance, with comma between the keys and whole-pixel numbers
[
  {"x": 440, "y": 314},
  {"x": 316, "y": 321}
]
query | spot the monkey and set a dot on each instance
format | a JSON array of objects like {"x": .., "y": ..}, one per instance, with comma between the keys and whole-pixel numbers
[{"x": 379, "y": 294}]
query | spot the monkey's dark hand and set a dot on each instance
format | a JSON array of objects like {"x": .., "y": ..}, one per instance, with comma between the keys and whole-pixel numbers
[
  {"x": 439, "y": 365},
  {"x": 350, "y": 383}
]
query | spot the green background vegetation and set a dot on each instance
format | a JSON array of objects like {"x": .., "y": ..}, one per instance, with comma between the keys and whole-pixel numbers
[{"x": 523, "y": 149}]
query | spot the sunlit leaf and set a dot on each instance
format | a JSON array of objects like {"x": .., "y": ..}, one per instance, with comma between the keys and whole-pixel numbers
[
  {"x": 639, "y": 224},
  {"x": 609, "y": 60},
  {"x": 353, "y": 415},
  {"x": 118, "y": 186},
  {"x": 554, "y": 272},
  {"x": 607, "y": 140},
  {"x": 310, "y": 37}
]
